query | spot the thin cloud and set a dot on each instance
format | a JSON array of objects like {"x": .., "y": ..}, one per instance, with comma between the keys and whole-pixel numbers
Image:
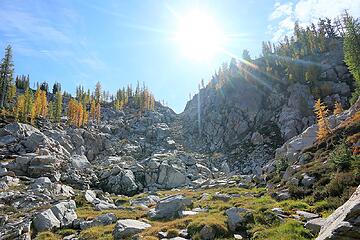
[
  {"x": 33, "y": 35},
  {"x": 26, "y": 24},
  {"x": 283, "y": 16}
]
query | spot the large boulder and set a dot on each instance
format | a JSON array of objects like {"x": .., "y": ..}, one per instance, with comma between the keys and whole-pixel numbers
[
  {"x": 102, "y": 220},
  {"x": 45, "y": 221},
  {"x": 79, "y": 162},
  {"x": 170, "y": 177},
  {"x": 18, "y": 130},
  {"x": 34, "y": 165},
  {"x": 170, "y": 207},
  {"x": 128, "y": 227},
  {"x": 238, "y": 218},
  {"x": 60, "y": 215},
  {"x": 344, "y": 223},
  {"x": 120, "y": 181},
  {"x": 314, "y": 225}
]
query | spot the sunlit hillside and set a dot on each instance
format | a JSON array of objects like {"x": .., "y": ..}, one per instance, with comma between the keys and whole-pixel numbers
[{"x": 180, "y": 120}]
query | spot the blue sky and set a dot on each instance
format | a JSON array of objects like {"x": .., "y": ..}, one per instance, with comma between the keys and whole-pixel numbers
[{"x": 121, "y": 42}]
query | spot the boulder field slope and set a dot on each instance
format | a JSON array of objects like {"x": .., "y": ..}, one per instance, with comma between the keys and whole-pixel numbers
[{"x": 241, "y": 162}]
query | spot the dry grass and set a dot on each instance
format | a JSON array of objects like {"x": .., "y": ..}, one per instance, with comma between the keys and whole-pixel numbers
[
  {"x": 164, "y": 226},
  {"x": 98, "y": 233},
  {"x": 89, "y": 213},
  {"x": 47, "y": 236}
]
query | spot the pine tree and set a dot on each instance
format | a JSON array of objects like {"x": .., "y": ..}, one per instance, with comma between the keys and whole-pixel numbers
[
  {"x": 12, "y": 93},
  {"x": 93, "y": 110},
  {"x": 6, "y": 75},
  {"x": 322, "y": 122},
  {"x": 51, "y": 111},
  {"x": 352, "y": 50},
  {"x": 97, "y": 92},
  {"x": 338, "y": 108},
  {"x": 246, "y": 55},
  {"x": 98, "y": 113},
  {"x": 56, "y": 88},
  {"x": 58, "y": 106}
]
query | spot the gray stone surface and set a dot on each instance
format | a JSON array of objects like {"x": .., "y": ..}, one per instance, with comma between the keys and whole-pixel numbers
[{"x": 128, "y": 227}]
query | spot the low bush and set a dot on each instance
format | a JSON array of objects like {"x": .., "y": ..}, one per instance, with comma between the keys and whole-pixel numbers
[
  {"x": 340, "y": 157},
  {"x": 47, "y": 236}
]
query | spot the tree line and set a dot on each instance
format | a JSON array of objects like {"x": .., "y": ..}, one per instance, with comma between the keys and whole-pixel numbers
[{"x": 25, "y": 104}]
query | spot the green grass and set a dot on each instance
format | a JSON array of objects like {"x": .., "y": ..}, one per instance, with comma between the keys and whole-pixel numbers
[
  {"x": 47, "y": 236},
  {"x": 267, "y": 225},
  {"x": 290, "y": 230},
  {"x": 98, "y": 233}
]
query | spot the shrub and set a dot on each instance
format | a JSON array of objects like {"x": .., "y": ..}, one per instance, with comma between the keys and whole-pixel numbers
[
  {"x": 66, "y": 232},
  {"x": 297, "y": 191},
  {"x": 171, "y": 233},
  {"x": 215, "y": 221},
  {"x": 291, "y": 229},
  {"x": 266, "y": 217},
  {"x": 340, "y": 182},
  {"x": 281, "y": 164},
  {"x": 340, "y": 157},
  {"x": 47, "y": 236}
]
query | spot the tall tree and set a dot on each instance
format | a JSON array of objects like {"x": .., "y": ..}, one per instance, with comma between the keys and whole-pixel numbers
[
  {"x": 322, "y": 122},
  {"x": 352, "y": 50},
  {"x": 6, "y": 75},
  {"x": 58, "y": 106},
  {"x": 97, "y": 92}
]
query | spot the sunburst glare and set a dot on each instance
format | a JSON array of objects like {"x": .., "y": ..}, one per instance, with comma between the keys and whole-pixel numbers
[{"x": 199, "y": 36}]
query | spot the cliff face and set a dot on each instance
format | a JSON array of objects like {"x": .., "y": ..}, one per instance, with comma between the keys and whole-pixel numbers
[{"x": 247, "y": 112}]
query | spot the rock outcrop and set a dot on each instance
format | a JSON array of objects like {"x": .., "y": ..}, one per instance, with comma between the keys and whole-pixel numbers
[{"x": 344, "y": 223}]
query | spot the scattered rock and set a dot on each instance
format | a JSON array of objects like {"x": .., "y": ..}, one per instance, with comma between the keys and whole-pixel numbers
[
  {"x": 207, "y": 233},
  {"x": 170, "y": 207},
  {"x": 238, "y": 218},
  {"x": 128, "y": 227},
  {"x": 344, "y": 222},
  {"x": 306, "y": 215},
  {"x": 101, "y": 220},
  {"x": 58, "y": 216},
  {"x": 314, "y": 225}
]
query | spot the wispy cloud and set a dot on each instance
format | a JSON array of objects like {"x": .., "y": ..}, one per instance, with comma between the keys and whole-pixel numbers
[
  {"x": 21, "y": 22},
  {"x": 305, "y": 12},
  {"x": 35, "y": 33}
]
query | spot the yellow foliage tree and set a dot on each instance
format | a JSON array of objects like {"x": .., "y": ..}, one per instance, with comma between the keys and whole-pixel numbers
[
  {"x": 43, "y": 109},
  {"x": 86, "y": 116},
  {"x": 77, "y": 114},
  {"x": 20, "y": 113},
  {"x": 338, "y": 108},
  {"x": 80, "y": 115},
  {"x": 323, "y": 124},
  {"x": 37, "y": 103}
]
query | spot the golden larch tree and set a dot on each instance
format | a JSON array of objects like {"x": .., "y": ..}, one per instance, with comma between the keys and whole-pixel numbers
[
  {"x": 338, "y": 108},
  {"x": 322, "y": 122},
  {"x": 20, "y": 113}
]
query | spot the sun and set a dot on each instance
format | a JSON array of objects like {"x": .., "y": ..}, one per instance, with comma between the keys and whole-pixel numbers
[{"x": 198, "y": 36}]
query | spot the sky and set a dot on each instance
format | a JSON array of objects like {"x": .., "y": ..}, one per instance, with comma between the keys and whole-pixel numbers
[{"x": 80, "y": 42}]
